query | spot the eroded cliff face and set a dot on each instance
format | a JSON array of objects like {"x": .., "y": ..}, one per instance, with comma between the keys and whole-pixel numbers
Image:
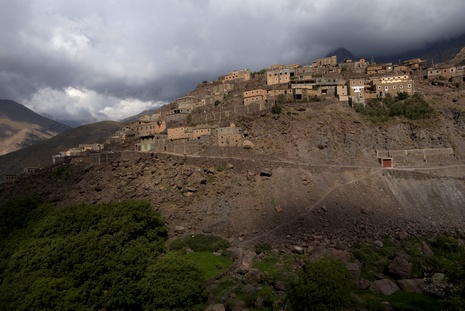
[
  {"x": 251, "y": 198},
  {"x": 313, "y": 170}
]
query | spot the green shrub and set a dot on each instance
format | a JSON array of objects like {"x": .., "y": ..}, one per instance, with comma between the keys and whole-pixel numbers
[
  {"x": 173, "y": 283},
  {"x": 200, "y": 243},
  {"x": 262, "y": 248},
  {"x": 411, "y": 107},
  {"x": 81, "y": 257},
  {"x": 210, "y": 264},
  {"x": 276, "y": 109},
  {"x": 325, "y": 284}
]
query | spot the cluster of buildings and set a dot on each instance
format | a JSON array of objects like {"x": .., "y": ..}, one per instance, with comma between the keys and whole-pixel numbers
[
  {"x": 154, "y": 136},
  {"x": 95, "y": 153},
  {"x": 348, "y": 81},
  {"x": 352, "y": 81}
]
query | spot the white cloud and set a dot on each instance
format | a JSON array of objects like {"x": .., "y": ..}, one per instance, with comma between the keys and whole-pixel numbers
[{"x": 89, "y": 105}]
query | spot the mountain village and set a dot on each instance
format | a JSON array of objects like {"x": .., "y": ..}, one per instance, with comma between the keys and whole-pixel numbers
[{"x": 201, "y": 118}]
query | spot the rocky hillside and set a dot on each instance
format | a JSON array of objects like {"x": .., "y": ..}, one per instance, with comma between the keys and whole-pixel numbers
[
  {"x": 313, "y": 170},
  {"x": 40, "y": 154},
  {"x": 21, "y": 127}
]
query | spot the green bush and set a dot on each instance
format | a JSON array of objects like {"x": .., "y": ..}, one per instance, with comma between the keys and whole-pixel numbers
[
  {"x": 411, "y": 107},
  {"x": 276, "y": 109},
  {"x": 173, "y": 284},
  {"x": 262, "y": 248},
  {"x": 200, "y": 243},
  {"x": 81, "y": 257},
  {"x": 325, "y": 284}
]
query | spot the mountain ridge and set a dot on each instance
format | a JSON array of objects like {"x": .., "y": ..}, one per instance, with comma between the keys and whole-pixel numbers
[{"x": 20, "y": 126}]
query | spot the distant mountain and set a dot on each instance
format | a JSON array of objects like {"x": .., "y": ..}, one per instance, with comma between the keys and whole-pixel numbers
[
  {"x": 342, "y": 54},
  {"x": 437, "y": 52},
  {"x": 40, "y": 154},
  {"x": 21, "y": 127}
]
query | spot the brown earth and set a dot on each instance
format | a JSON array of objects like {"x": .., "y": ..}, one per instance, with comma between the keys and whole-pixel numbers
[{"x": 312, "y": 176}]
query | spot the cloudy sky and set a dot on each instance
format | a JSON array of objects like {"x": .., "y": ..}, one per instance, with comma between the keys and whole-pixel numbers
[{"x": 110, "y": 59}]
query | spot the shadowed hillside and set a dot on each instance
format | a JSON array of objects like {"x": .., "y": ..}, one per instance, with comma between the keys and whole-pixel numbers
[
  {"x": 21, "y": 127},
  {"x": 41, "y": 153}
]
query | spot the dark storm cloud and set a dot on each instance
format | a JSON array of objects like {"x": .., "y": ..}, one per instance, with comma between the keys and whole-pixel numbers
[{"x": 110, "y": 59}]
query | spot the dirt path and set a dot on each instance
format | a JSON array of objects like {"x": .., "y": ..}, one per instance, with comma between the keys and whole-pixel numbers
[{"x": 312, "y": 207}]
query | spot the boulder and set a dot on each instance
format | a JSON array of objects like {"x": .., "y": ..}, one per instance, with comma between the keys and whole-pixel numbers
[
  {"x": 412, "y": 285},
  {"x": 426, "y": 249},
  {"x": 402, "y": 235},
  {"x": 297, "y": 249},
  {"x": 179, "y": 229},
  {"x": 384, "y": 287},
  {"x": 400, "y": 266},
  {"x": 215, "y": 307},
  {"x": 247, "y": 144}
]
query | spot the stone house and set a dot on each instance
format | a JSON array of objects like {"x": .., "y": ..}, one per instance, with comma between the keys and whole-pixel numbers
[
  {"x": 150, "y": 117},
  {"x": 442, "y": 72},
  {"x": 150, "y": 128},
  {"x": 415, "y": 64},
  {"x": 31, "y": 170},
  {"x": 190, "y": 102},
  {"x": 177, "y": 114},
  {"x": 151, "y": 143},
  {"x": 325, "y": 62},
  {"x": 392, "y": 85},
  {"x": 201, "y": 130},
  {"x": 178, "y": 133},
  {"x": 228, "y": 136},
  {"x": 90, "y": 147},
  {"x": 379, "y": 69},
  {"x": 342, "y": 92},
  {"x": 256, "y": 95},
  {"x": 278, "y": 76},
  {"x": 359, "y": 88},
  {"x": 243, "y": 74}
]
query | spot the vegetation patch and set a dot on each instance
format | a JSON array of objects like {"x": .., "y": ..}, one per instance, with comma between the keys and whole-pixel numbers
[
  {"x": 413, "y": 107},
  {"x": 210, "y": 264},
  {"x": 324, "y": 284},
  {"x": 200, "y": 243},
  {"x": 105, "y": 256},
  {"x": 263, "y": 248}
]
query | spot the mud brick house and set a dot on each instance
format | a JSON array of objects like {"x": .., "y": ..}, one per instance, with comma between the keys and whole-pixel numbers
[
  {"x": 325, "y": 62},
  {"x": 179, "y": 133},
  {"x": 243, "y": 74},
  {"x": 445, "y": 72},
  {"x": 280, "y": 74},
  {"x": 351, "y": 66},
  {"x": 253, "y": 96},
  {"x": 392, "y": 85},
  {"x": 228, "y": 136},
  {"x": 150, "y": 128}
]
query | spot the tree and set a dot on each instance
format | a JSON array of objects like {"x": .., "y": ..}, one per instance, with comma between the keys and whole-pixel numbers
[
  {"x": 173, "y": 284},
  {"x": 325, "y": 284},
  {"x": 90, "y": 256}
]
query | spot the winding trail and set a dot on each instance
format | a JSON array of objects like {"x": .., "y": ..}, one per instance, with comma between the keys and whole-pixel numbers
[{"x": 312, "y": 207}]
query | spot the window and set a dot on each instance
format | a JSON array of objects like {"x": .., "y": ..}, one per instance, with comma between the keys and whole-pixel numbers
[
  {"x": 394, "y": 87},
  {"x": 409, "y": 86},
  {"x": 401, "y": 86}
]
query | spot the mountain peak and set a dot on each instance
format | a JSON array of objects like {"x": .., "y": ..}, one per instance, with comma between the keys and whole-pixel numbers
[{"x": 342, "y": 54}]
